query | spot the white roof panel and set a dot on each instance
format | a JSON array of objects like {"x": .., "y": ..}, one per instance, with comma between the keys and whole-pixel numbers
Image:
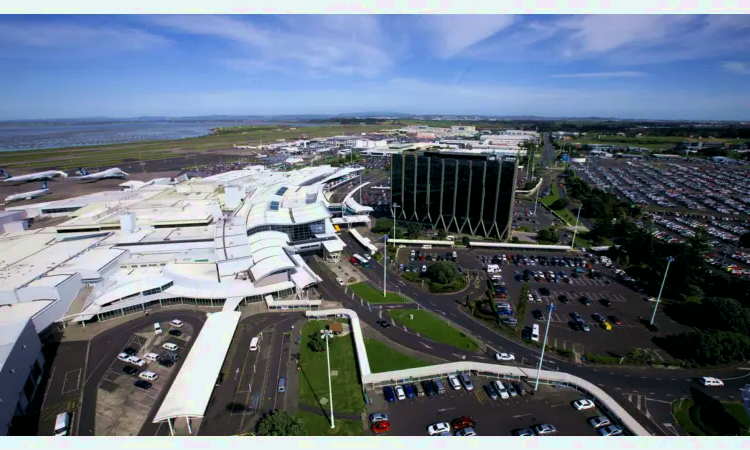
[{"x": 194, "y": 384}]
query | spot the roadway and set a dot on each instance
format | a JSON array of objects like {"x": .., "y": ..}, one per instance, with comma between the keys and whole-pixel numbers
[{"x": 661, "y": 386}]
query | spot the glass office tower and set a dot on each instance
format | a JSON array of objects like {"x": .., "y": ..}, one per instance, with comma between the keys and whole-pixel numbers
[{"x": 465, "y": 193}]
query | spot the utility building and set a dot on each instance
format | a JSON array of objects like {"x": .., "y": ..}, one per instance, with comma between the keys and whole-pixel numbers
[{"x": 465, "y": 193}]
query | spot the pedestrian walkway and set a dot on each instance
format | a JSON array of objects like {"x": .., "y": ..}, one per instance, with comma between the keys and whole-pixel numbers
[{"x": 641, "y": 401}]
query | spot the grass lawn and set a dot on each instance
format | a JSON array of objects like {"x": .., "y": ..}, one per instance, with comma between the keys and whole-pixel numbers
[
  {"x": 385, "y": 359},
  {"x": 432, "y": 327},
  {"x": 551, "y": 198},
  {"x": 318, "y": 425},
  {"x": 347, "y": 390},
  {"x": 692, "y": 419},
  {"x": 372, "y": 295}
]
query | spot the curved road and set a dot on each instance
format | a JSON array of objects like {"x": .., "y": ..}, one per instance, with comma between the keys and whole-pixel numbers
[{"x": 652, "y": 382}]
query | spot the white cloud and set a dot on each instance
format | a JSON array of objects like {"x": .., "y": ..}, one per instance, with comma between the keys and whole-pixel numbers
[
  {"x": 737, "y": 67},
  {"x": 622, "y": 39},
  {"x": 53, "y": 34},
  {"x": 323, "y": 44},
  {"x": 625, "y": 74},
  {"x": 451, "y": 34}
]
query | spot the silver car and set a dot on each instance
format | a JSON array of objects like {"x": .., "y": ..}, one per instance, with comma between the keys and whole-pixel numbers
[{"x": 378, "y": 417}]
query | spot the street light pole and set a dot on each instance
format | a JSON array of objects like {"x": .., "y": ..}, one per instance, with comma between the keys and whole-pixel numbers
[
  {"x": 575, "y": 230},
  {"x": 536, "y": 200},
  {"x": 385, "y": 263},
  {"x": 330, "y": 390},
  {"x": 669, "y": 261},
  {"x": 551, "y": 307},
  {"x": 393, "y": 209}
]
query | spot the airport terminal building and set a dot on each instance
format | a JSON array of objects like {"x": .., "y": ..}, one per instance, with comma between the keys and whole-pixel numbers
[
  {"x": 227, "y": 241},
  {"x": 459, "y": 192}
]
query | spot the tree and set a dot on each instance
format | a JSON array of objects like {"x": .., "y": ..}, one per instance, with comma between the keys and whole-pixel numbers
[
  {"x": 712, "y": 347},
  {"x": 442, "y": 234},
  {"x": 559, "y": 204},
  {"x": 281, "y": 423},
  {"x": 413, "y": 229},
  {"x": 548, "y": 235},
  {"x": 383, "y": 224},
  {"x": 442, "y": 272},
  {"x": 465, "y": 240},
  {"x": 316, "y": 343},
  {"x": 726, "y": 314},
  {"x": 515, "y": 239}
]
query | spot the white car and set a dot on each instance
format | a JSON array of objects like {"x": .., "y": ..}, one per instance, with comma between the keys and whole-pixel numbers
[
  {"x": 340, "y": 281},
  {"x": 136, "y": 361},
  {"x": 438, "y": 428},
  {"x": 176, "y": 323},
  {"x": 710, "y": 381},
  {"x": 455, "y": 384},
  {"x": 502, "y": 392},
  {"x": 400, "y": 392},
  {"x": 583, "y": 404},
  {"x": 545, "y": 429},
  {"x": 505, "y": 357},
  {"x": 123, "y": 357}
]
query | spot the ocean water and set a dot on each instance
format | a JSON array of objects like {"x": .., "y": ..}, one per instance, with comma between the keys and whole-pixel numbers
[{"x": 42, "y": 135}]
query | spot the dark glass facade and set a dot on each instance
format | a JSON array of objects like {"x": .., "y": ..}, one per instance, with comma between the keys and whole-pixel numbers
[{"x": 470, "y": 194}]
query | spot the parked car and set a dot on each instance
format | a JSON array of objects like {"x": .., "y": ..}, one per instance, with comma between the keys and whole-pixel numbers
[
  {"x": 611, "y": 430},
  {"x": 463, "y": 422},
  {"x": 545, "y": 429},
  {"x": 175, "y": 333},
  {"x": 400, "y": 392},
  {"x": 466, "y": 381},
  {"x": 615, "y": 320},
  {"x": 437, "y": 428},
  {"x": 129, "y": 370},
  {"x": 428, "y": 388},
  {"x": 383, "y": 323},
  {"x": 538, "y": 314},
  {"x": 605, "y": 302},
  {"x": 455, "y": 384},
  {"x": 381, "y": 427},
  {"x": 599, "y": 421},
  {"x": 409, "y": 391},
  {"x": 466, "y": 432},
  {"x": 390, "y": 397},
  {"x": 524, "y": 432},
  {"x": 519, "y": 388},
  {"x": 142, "y": 384},
  {"x": 583, "y": 404},
  {"x": 491, "y": 392},
  {"x": 378, "y": 417},
  {"x": 130, "y": 351},
  {"x": 511, "y": 390}
]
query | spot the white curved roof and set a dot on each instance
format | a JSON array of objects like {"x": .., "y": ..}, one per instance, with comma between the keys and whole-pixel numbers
[
  {"x": 194, "y": 384},
  {"x": 267, "y": 266},
  {"x": 341, "y": 173},
  {"x": 129, "y": 288},
  {"x": 353, "y": 191}
]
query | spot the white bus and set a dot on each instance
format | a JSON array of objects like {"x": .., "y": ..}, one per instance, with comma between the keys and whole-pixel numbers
[
  {"x": 492, "y": 268},
  {"x": 254, "y": 344},
  {"x": 362, "y": 261},
  {"x": 535, "y": 333}
]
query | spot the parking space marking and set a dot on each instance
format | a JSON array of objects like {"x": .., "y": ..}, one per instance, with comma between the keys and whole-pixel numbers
[{"x": 72, "y": 381}]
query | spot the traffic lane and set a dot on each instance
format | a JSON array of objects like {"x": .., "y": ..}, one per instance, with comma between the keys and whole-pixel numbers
[
  {"x": 106, "y": 346},
  {"x": 279, "y": 366},
  {"x": 396, "y": 333},
  {"x": 498, "y": 417},
  {"x": 62, "y": 393}
]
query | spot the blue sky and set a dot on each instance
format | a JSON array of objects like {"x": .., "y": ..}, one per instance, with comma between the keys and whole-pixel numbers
[{"x": 630, "y": 66}]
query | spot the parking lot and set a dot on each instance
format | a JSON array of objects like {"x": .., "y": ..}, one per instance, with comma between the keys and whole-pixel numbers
[
  {"x": 549, "y": 405},
  {"x": 627, "y": 306},
  {"x": 121, "y": 407}
]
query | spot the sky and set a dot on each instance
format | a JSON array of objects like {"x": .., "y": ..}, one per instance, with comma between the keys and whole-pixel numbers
[{"x": 625, "y": 66}]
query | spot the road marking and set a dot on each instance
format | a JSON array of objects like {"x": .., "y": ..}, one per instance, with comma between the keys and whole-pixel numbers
[{"x": 638, "y": 404}]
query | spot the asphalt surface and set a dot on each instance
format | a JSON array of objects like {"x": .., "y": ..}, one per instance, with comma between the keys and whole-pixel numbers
[
  {"x": 103, "y": 350},
  {"x": 624, "y": 384},
  {"x": 250, "y": 387}
]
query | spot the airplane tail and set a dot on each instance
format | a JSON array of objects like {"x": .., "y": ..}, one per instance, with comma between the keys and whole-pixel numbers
[
  {"x": 4, "y": 173},
  {"x": 44, "y": 185},
  {"x": 83, "y": 171}
]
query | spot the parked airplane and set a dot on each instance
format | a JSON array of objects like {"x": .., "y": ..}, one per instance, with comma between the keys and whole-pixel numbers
[
  {"x": 28, "y": 195},
  {"x": 109, "y": 173},
  {"x": 39, "y": 176}
]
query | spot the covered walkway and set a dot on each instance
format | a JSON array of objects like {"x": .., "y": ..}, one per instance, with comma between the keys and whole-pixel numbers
[{"x": 192, "y": 388}]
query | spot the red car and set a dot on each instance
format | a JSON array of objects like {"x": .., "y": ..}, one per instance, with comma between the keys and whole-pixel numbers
[
  {"x": 615, "y": 320},
  {"x": 463, "y": 422},
  {"x": 381, "y": 427}
]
